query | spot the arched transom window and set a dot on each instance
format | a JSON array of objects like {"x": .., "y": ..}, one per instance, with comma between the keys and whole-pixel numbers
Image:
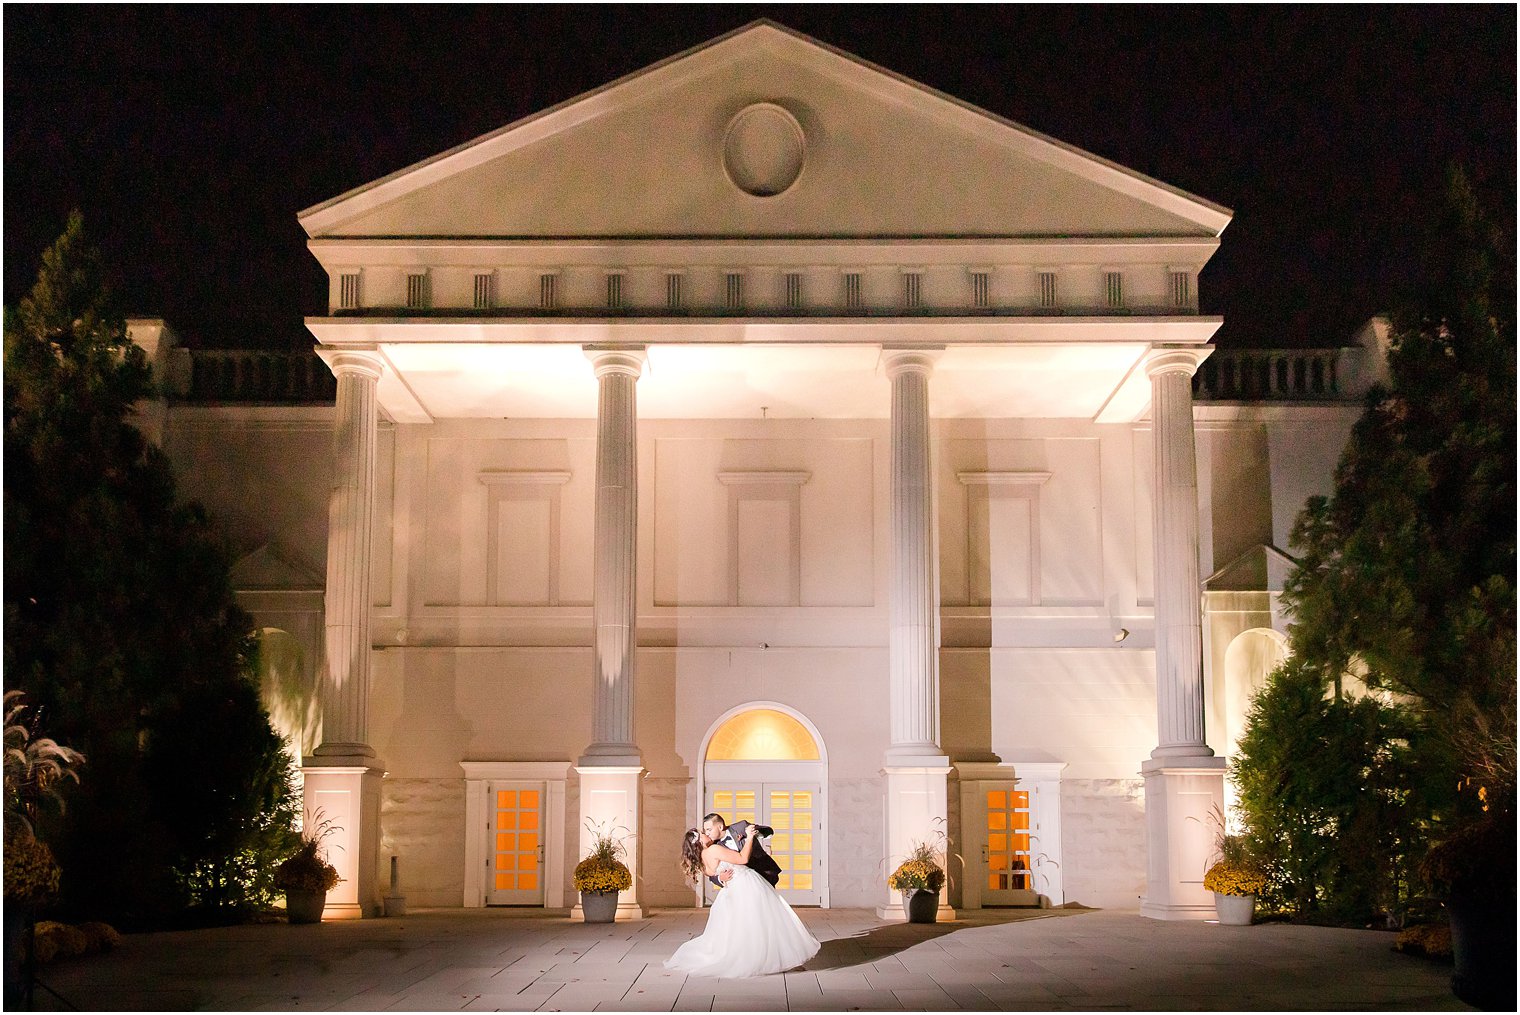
[{"x": 762, "y": 734}]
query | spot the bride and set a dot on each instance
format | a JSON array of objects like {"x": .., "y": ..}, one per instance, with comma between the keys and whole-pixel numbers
[{"x": 750, "y": 930}]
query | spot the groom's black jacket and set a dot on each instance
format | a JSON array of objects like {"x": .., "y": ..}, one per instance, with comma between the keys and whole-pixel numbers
[{"x": 761, "y": 862}]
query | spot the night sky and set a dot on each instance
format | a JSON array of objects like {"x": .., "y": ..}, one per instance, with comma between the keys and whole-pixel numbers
[{"x": 190, "y": 138}]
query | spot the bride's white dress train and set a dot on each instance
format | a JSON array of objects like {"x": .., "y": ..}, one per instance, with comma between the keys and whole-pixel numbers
[{"x": 750, "y": 931}]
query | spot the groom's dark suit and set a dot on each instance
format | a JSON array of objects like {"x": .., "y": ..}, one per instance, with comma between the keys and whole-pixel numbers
[{"x": 760, "y": 861}]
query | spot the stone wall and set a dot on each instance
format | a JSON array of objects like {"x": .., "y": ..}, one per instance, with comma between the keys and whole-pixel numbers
[
  {"x": 422, "y": 822},
  {"x": 855, "y": 863},
  {"x": 1103, "y": 842},
  {"x": 667, "y": 804}
]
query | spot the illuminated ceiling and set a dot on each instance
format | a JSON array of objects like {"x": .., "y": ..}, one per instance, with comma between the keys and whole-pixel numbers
[{"x": 1052, "y": 368}]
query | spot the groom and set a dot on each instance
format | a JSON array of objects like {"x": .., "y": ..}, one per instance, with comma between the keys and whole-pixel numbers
[{"x": 732, "y": 836}]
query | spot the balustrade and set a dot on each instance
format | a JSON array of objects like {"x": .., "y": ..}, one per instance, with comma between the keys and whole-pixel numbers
[
  {"x": 259, "y": 376},
  {"x": 1257, "y": 375}
]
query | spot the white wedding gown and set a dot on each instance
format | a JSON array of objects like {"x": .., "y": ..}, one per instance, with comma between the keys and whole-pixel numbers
[{"x": 750, "y": 931}]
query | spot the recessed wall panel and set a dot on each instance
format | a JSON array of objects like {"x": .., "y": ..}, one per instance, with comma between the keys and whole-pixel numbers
[
  {"x": 709, "y": 550},
  {"x": 765, "y": 573},
  {"x": 523, "y": 556},
  {"x": 1070, "y": 525},
  {"x": 455, "y": 560}
]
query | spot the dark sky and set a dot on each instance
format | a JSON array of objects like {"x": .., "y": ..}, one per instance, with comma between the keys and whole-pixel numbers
[{"x": 191, "y": 137}]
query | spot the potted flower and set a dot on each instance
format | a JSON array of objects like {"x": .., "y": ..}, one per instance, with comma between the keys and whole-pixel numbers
[
  {"x": 920, "y": 878},
  {"x": 307, "y": 877},
  {"x": 1473, "y": 872},
  {"x": 35, "y": 769},
  {"x": 1235, "y": 881},
  {"x": 602, "y": 875}
]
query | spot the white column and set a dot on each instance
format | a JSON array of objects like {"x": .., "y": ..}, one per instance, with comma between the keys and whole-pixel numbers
[
  {"x": 913, "y": 660},
  {"x": 915, "y": 768},
  {"x": 342, "y": 778},
  {"x": 1184, "y": 782},
  {"x": 350, "y": 513},
  {"x": 1174, "y": 536},
  {"x": 610, "y": 770},
  {"x": 614, "y": 607}
]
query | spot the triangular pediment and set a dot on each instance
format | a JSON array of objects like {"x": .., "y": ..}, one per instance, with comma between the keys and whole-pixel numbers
[
  {"x": 693, "y": 146},
  {"x": 267, "y": 568},
  {"x": 1262, "y": 568}
]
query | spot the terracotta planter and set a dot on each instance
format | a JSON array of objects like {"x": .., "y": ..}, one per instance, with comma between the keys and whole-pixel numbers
[
  {"x": 920, "y": 905},
  {"x": 1235, "y": 910},
  {"x": 1483, "y": 946},
  {"x": 305, "y": 907},
  {"x": 599, "y": 907}
]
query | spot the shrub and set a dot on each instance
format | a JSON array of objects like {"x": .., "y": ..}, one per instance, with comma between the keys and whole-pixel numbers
[
  {"x": 31, "y": 874},
  {"x": 58, "y": 941},
  {"x": 1432, "y": 940},
  {"x": 1330, "y": 795},
  {"x": 101, "y": 937}
]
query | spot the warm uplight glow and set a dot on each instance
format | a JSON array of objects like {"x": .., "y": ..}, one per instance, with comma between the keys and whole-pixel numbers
[{"x": 762, "y": 734}]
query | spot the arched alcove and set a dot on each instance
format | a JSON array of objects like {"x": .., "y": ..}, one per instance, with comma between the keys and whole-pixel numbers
[
  {"x": 765, "y": 762},
  {"x": 288, "y": 690},
  {"x": 1248, "y": 659}
]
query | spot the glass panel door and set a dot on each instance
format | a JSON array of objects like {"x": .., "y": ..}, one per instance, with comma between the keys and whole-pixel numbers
[
  {"x": 514, "y": 846},
  {"x": 734, "y": 803},
  {"x": 794, "y": 812},
  {"x": 1007, "y": 851}
]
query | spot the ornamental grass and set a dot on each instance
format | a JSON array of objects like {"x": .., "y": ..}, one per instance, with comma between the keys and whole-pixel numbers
[{"x": 603, "y": 870}]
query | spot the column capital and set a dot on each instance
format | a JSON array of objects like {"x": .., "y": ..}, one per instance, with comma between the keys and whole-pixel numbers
[
  {"x": 915, "y": 359},
  {"x": 1173, "y": 359},
  {"x": 365, "y": 362},
  {"x": 616, "y": 359}
]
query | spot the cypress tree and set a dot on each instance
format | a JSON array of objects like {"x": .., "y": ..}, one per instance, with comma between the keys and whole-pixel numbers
[{"x": 122, "y": 627}]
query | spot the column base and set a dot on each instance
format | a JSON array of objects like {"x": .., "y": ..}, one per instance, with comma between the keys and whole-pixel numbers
[
  {"x": 1184, "y": 797},
  {"x": 347, "y": 796},
  {"x": 1185, "y": 912},
  {"x": 344, "y": 910},
  {"x": 611, "y": 802},
  {"x": 627, "y": 759},
  {"x": 917, "y": 806}
]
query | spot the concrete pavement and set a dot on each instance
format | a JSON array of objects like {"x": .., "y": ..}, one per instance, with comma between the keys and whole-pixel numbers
[{"x": 505, "y": 960}]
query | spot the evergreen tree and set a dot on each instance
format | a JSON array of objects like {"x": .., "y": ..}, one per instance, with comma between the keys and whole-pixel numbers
[
  {"x": 1406, "y": 580},
  {"x": 1329, "y": 793},
  {"x": 1409, "y": 567},
  {"x": 120, "y": 621}
]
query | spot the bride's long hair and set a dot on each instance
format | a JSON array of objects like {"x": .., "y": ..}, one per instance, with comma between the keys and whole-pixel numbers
[{"x": 691, "y": 855}]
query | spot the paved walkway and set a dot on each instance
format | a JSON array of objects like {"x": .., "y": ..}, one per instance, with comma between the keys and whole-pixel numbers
[{"x": 484, "y": 960}]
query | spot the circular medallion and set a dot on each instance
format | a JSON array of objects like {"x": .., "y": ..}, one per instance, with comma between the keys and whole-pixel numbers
[{"x": 763, "y": 149}]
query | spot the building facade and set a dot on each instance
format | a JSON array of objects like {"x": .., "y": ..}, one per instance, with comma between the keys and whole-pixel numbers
[{"x": 769, "y": 434}]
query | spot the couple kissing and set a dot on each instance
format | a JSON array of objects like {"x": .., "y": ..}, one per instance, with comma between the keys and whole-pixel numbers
[{"x": 751, "y": 930}]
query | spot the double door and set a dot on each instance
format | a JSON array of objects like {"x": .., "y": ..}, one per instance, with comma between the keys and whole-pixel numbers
[{"x": 795, "y": 811}]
